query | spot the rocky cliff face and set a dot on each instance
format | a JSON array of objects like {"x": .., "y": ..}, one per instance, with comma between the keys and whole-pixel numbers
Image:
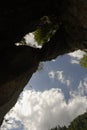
[{"x": 18, "y": 63}]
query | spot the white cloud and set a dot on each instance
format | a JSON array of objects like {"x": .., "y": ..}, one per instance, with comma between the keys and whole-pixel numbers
[
  {"x": 51, "y": 74},
  {"x": 61, "y": 77},
  {"x": 73, "y": 61},
  {"x": 44, "y": 110},
  {"x": 81, "y": 89},
  {"x": 77, "y": 54},
  {"x": 85, "y": 84},
  {"x": 30, "y": 41},
  {"x": 53, "y": 60}
]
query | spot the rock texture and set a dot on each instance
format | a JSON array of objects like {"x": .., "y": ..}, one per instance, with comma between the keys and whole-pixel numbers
[{"x": 17, "y": 18}]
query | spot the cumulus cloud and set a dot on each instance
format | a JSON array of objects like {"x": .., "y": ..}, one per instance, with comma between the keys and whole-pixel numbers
[
  {"x": 45, "y": 110},
  {"x": 30, "y": 41},
  {"x": 76, "y": 56}
]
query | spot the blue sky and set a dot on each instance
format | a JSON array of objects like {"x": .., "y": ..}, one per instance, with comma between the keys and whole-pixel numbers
[
  {"x": 55, "y": 95},
  {"x": 72, "y": 74}
]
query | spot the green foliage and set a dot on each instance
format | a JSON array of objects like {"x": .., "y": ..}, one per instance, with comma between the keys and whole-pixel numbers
[
  {"x": 45, "y": 31},
  {"x": 83, "y": 61},
  {"x": 54, "y": 128},
  {"x": 59, "y": 128},
  {"x": 79, "y": 123}
]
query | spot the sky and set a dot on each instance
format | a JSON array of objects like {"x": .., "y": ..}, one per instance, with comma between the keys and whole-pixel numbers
[{"x": 54, "y": 96}]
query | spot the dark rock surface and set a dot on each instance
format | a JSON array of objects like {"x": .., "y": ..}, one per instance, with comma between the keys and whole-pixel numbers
[{"x": 17, "y": 18}]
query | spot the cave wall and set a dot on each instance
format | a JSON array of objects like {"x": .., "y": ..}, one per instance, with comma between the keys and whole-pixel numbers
[{"x": 17, "y": 18}]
